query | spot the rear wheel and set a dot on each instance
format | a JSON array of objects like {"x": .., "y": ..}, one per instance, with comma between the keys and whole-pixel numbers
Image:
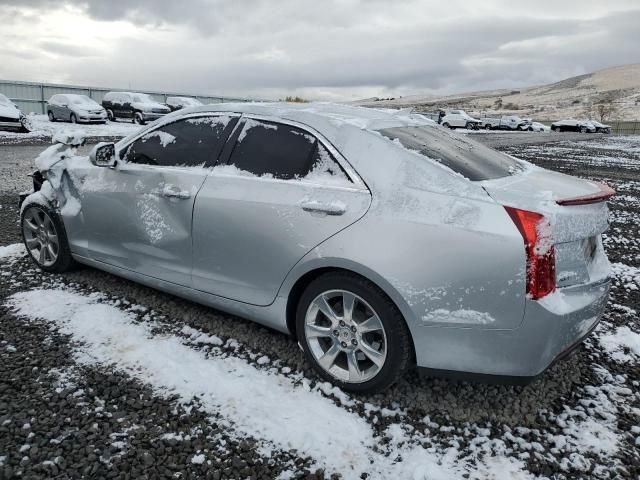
[
  {"x": 45, "y": 239},
  {"x": 446, "y": 125},
  {"x": 52, "y": 118},
  {"x": 352, "y": 333},
  {"x": 487, "y": 126},
  {"x": 73, "y": 118},
  {"x": 110, "y": 116},
  {"x": 583, "y": 129}
]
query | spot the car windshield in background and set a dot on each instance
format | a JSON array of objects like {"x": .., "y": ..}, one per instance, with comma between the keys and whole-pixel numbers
[
  {"x": 82, "y": 100},
  {"x": 462, "y": 155},
  {"x": 143, "y": 99}
]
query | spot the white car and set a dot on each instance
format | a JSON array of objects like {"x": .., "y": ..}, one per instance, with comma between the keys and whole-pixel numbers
[
  {"x": 537, "y": 127},
  {"x": 11, "y": 117},
  {"x": 460, "y": 119}
]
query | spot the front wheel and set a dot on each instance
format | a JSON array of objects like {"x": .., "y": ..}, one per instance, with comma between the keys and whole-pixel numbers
[
  {"x": 73, "y": 118},
  {"x": 352, "y": 334},
  {"x": 45, "y": 239},
  {"x": 583, "y": 129},
  {"x": 111, "y": 116},
  {"x": 52, "y": 118},
  {"x": 138, "y": 119}
]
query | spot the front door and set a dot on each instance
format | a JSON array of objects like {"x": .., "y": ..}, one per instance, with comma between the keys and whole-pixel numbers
[
  {"x": 281, "y": 194},
  {"x": 139, "y": 214}
]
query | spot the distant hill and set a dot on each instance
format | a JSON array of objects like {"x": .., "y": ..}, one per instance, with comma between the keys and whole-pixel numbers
[{"x": 567, "y": 98}]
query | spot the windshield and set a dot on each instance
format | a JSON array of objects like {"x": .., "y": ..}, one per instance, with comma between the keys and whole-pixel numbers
[
  {"x": 143, "y": 98},
  {"x": 81, "y": 100},
  {"x": 469, "y": 158}
]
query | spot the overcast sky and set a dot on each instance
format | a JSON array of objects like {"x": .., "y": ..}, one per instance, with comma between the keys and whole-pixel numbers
[{"x": 329, "y": 50}]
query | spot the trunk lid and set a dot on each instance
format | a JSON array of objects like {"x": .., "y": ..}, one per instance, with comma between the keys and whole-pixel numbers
[{"x": 577, "y": 212}]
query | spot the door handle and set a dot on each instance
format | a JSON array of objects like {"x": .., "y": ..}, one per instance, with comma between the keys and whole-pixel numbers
[
  {"x": 172, "y": 191},
  {"x": 333, "y": 208}
]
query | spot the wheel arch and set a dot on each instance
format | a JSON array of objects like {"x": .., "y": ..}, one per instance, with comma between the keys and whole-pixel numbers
[{"x": 293, "y": 291}]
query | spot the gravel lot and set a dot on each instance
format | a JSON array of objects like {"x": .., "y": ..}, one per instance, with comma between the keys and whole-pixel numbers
[{"x": 65, "y": 417}]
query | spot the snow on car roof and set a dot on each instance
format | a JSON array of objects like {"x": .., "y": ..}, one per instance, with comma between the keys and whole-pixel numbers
[{"x": 324, "y": 117}]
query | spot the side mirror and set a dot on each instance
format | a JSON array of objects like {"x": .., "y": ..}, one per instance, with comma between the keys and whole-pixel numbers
[{"x": 103, "y": 155}]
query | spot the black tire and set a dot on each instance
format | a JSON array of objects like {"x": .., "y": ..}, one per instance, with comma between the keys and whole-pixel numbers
[
  {"x": 73, "y": 118},
  {"x": 398, "y": 340},
  {"x": 111, "y": 116},
  {"x": 530, "y": 129},
  {"x": 51, "y": 116},
  {"x": 64, "y": 261},
  {"x": 583, "y": 129},
  {"x": 446, "y": 125},
  {"x": 138, "y": 118},
  {"x": 487, "y": 126}
]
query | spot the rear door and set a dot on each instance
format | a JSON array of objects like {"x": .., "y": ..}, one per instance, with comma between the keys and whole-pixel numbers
[
  {"x": 139, "y": 214},
  {"x": 279, "y": 191}
]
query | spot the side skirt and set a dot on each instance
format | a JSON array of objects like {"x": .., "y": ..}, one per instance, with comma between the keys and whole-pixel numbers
[{"x": 271, "y": 316}]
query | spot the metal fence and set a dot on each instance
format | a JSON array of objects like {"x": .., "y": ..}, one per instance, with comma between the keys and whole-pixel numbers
[{"x": 33, "y": 96}]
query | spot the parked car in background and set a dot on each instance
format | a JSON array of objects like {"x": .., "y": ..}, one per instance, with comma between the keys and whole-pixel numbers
[
  {"x": 176, "y": 103},
  {"x": 506, "y": 122},
  {"x": 138, "y": 107},
  {"x": 460, "y": 119},
  {"x": 11, "y": 118},
  {"x": 70, "y": 107},
  {"x": 600, "y": 127},
  {"x": 296, "y": 223},
  {"x": 537, "y": 127},
  {"x": 573, "y": 125}
]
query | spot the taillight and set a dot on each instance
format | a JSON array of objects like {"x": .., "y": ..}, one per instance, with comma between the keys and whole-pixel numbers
[{"x": 538, "y": 242}]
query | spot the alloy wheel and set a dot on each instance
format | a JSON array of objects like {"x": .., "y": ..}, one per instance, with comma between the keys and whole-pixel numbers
[
  {"x": 40, "y": 237},
  {"x": 345, "y": 336}
]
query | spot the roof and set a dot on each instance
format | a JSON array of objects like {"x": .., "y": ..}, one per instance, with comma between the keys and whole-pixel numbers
[{"x": 328, "y": 118}]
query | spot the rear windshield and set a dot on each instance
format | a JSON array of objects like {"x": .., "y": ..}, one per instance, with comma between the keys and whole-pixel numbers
[{"x": 469, "y": 158}]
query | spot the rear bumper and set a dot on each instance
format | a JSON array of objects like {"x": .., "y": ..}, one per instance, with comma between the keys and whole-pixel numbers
[{"x": 551, "y": 329}]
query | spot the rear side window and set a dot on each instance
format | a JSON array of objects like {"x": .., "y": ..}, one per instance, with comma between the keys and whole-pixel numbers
[
  {"x": 190, "y": 142},
  {"x": 285, "y": 152},
  {"x": 273, "y": 149},
  {"x": 469, "y": 158}
]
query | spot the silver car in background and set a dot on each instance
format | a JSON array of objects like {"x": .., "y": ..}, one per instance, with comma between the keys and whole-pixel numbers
[
  {"x": 70, "y": 107},
  {"x": 379, "y": 239}
]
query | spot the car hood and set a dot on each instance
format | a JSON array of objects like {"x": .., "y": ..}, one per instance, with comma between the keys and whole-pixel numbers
[
  {"x": 86, "y": 106},
  {"x": 9, "y": 111},
  {"x": 577, "y": 208},
  {"x": 149, "y": 105}
]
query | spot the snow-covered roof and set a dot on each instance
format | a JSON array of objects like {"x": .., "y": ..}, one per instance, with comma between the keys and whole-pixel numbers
[{"x": 327, "y": 118}]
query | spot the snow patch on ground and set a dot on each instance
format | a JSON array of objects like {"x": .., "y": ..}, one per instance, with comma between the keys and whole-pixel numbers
[
  {"x": 42, "y": 127},
  {"x": 255, "y": 402},
  {"x": 15, "y": 250},
  {"x": 622, "y": 345}
]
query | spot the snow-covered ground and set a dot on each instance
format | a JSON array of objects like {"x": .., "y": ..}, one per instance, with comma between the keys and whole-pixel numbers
[
  {"x": 43, "y": 128},
  {"x": 144, "y": 379}
]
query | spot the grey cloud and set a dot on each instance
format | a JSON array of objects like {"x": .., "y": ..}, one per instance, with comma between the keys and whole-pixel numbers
[{"x": 342, "y": 47}]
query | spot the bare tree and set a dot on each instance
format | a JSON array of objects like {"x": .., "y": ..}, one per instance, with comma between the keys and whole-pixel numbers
[{"x": 606, "y": 110}]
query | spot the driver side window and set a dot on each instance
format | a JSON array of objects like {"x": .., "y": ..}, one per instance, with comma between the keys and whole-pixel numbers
[{"x": 189, "y": 142}]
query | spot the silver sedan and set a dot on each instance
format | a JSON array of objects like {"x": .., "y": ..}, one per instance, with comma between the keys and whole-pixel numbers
[{"x": 378, "y": 238}]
